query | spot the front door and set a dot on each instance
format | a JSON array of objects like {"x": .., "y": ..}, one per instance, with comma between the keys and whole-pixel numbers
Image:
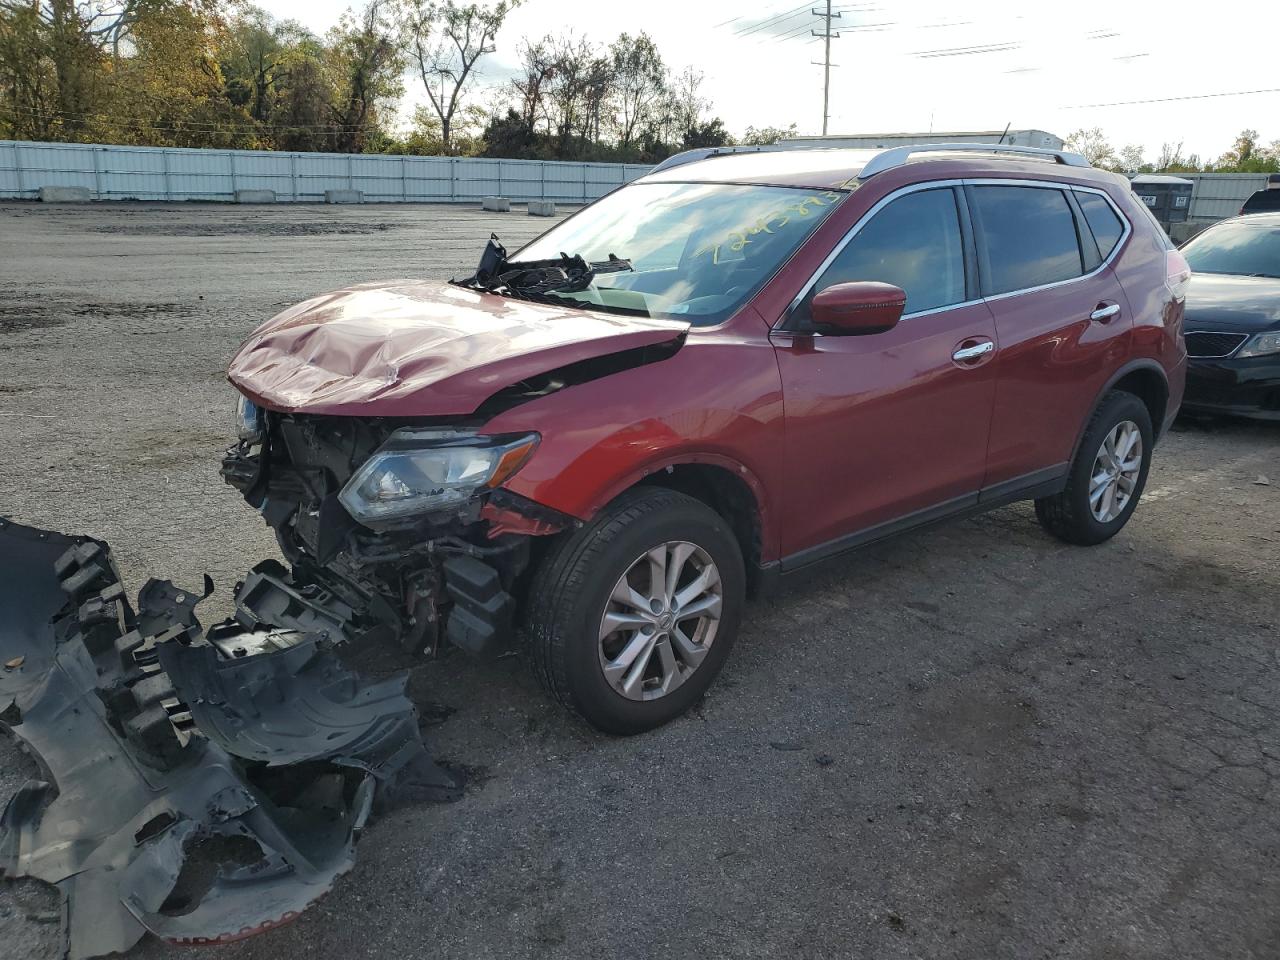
[{"x": 891, "y": 426}]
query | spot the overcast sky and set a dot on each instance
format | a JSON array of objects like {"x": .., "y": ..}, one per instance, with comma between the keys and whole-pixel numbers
[{"x": 912, "y": 65}]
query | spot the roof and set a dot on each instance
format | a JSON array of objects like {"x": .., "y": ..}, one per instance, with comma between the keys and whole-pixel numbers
[
  {"x": 818, "y": 168},
  {"x": 1263, "y": 218},
  {"x": 825, "y": 168}
]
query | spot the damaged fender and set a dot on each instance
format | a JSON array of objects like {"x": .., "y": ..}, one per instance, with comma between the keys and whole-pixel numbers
[{"x": 203, "y": 787}]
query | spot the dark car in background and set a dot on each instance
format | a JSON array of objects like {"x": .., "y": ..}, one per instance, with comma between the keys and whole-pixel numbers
[
  {"x": 1233, "y": 318},
  {"x": 1266, "y": 200}
]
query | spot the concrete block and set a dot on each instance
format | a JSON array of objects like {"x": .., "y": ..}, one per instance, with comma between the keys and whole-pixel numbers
[
  {"x": 542, "y": 208},
  {"x": 497, "y": 204},
  {"x": 64, "y": 194},
  {"x": 343, "y": 196},
  {"x": 255, "y": 196}
]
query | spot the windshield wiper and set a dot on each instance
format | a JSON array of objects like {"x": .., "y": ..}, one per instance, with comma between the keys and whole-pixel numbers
[{"x": 562, "y": 274}]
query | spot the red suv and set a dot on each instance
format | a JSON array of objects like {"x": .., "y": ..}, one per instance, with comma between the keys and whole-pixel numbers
[{"x": 728, "y": 370}]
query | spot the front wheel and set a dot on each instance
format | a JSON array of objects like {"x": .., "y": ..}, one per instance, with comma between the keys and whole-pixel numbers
[
  {"x": 632, "y": 616},
  {"x": 1107, "y": 476}
]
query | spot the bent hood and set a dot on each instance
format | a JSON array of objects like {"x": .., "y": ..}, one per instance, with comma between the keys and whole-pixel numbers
[{"x": 409, "y": 348}]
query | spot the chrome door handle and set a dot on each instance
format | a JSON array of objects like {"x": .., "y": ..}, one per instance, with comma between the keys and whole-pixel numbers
[
  {"x": 1105, "y": 313},
  {"x": 974, "y": 352}
]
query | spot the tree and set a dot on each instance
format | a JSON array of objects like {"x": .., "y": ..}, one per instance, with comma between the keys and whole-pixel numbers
[
  {"x": 445, "y": 41},
  {"x": 28, "y": 81},
  {"x": 1093, "y": 146},
  {"x": 764, "y": 136},
  {"x": 169, "y": 90},
  {"x": 364, "y": 65},
  {"x": 640, "y": 80},
  {"x": 302, "y": 114},
  {"x": 538, "y": 63},
  {"x": 709, "y": 133},
  {"x": 1131, "y": 158},
  {"x": 1241, "y": 151},
  {"x": 255, "y": 57},
  {"x": 1170, "y": 156}
]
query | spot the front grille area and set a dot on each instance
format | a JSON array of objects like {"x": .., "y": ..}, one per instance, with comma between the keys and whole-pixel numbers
[{"x": 1206, "y": 343}]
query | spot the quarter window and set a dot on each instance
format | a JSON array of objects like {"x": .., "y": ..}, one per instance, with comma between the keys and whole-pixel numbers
[
  {"x": 1107, "y": 228},
  {"x": 913, "y": 243},
  {"x": 1029, "y": 235}
]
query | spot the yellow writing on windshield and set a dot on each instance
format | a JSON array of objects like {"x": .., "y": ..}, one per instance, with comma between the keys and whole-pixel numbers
[{"x": 735, "y": 240}]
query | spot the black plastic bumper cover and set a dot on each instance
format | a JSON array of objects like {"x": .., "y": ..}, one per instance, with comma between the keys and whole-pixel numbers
[
  {"x": 162, "y": 764},
  {"x": 1245, "y": 388}
]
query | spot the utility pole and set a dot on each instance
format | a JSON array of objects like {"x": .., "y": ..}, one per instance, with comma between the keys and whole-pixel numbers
[{"x": 827, "y": 37}]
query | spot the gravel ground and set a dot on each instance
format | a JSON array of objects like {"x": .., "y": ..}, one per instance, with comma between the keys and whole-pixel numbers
[{"x": 971, "y": 742}]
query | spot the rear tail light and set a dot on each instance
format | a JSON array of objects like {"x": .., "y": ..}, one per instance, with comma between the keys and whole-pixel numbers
[{"x": 1177, "y": 273}]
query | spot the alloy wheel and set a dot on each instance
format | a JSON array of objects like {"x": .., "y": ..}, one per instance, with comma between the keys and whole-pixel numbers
[
  {"x": 660, "y": 621},
  {"x": 1115, "y": 471}
]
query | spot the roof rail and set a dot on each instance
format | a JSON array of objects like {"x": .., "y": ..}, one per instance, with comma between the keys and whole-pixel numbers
[
  {"x": 897, "y": 156},
  {"x": 701, "y": 153}
]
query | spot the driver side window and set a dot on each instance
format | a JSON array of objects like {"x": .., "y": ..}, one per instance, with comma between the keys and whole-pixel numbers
[{"x": 914, "y": 243}]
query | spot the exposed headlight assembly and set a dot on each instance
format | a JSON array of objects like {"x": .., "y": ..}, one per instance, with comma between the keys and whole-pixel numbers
[
  {"x": 418, "y": 471},
  {"x": 248, "y": 419},
  {"x": 1260, "y": 344}
]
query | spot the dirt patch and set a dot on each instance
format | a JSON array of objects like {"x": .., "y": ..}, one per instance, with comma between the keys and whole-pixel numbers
[
  {"x": 251, "y": 228},
  {"x": 125, "y": 310},
  {"x": 168, "y": 449},
  {"x": 29, "y": 316}
]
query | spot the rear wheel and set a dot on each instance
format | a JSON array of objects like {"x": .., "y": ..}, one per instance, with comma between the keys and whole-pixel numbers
[
  {"x": 1107, "y": 476},
  {"x": 631, "y": 617}
]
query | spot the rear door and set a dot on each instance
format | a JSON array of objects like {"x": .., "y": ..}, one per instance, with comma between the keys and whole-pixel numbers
[
  {"x": 1061, "y": 317},
  {"x": 888, "y": 426}
]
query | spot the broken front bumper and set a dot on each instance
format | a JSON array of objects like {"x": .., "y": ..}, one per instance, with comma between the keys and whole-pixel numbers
[{"x": 203, "y": 786}]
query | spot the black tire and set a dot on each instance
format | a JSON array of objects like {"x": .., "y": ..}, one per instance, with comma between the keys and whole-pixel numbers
[
  {"x": 571, "y": 588},
  {"x": 1067, "y": 515}
]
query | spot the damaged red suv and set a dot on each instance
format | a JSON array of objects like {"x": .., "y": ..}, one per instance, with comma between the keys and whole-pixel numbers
[{"x": 739, "y": 365}]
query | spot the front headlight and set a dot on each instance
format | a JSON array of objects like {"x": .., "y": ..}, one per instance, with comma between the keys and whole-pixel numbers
[
  {"x": 417, "y": 471},
  {"x": 248, "y": 419},
  {"x": 1260, "y": 344}
]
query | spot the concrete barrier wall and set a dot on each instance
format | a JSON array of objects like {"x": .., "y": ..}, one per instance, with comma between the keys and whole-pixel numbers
[{"x": 170, "y": 173}]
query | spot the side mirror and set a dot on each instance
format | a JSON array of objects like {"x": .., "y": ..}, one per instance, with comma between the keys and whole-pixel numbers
[{"x": 865, "y": 306}]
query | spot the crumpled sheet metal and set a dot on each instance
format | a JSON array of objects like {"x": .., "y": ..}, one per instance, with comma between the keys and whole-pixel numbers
[{"x": 142, "y": 821}]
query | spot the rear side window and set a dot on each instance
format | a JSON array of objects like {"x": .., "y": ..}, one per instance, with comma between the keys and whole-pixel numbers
[
  {"x": 914, "y": 243},
  {"x": 1107, "y": 228},
  {"x": 1029, "y": 235}
]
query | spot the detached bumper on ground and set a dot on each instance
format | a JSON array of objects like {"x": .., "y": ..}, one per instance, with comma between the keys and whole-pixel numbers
[{"x": 203, "y": 786}]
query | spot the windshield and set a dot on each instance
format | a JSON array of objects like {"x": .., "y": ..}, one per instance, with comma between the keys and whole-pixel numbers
[
  {"x": 1242, "y": 248},
  {"x": 697, "y": 251}
]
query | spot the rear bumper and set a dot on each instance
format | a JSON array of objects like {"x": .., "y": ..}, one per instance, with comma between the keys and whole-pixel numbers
[{"x": 1243, "y": 388}]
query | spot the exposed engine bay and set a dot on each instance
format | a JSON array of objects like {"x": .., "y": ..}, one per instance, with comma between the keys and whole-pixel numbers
[
  {"x": 203, "y": 785},
  {"x": 417, "y": 578}
]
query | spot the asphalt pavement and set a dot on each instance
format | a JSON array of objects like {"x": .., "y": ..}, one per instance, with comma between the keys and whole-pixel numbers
[{"x": 971, "y": 742}]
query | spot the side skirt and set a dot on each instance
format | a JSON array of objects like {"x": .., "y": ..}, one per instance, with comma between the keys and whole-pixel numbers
[{"x": 1031, "y": 486}]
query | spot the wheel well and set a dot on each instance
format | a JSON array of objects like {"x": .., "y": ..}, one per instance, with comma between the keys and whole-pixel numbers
[
  {"x": 725, "y": 493},
  {"x": 1149, "y": 387}
]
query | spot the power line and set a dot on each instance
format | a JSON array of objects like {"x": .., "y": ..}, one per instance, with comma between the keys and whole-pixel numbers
[
  {"x": 757, "y": 27},
  {"x": 1194, "y": 96}
]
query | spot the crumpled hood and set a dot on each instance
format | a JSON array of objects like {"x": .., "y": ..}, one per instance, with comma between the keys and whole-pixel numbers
[{"x": 410, "y": 348}]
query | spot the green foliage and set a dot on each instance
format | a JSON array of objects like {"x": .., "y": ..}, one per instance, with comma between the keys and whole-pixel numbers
[
  {"x": 1245, "y": 155},
  {"x": 763, "y": 136}
]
